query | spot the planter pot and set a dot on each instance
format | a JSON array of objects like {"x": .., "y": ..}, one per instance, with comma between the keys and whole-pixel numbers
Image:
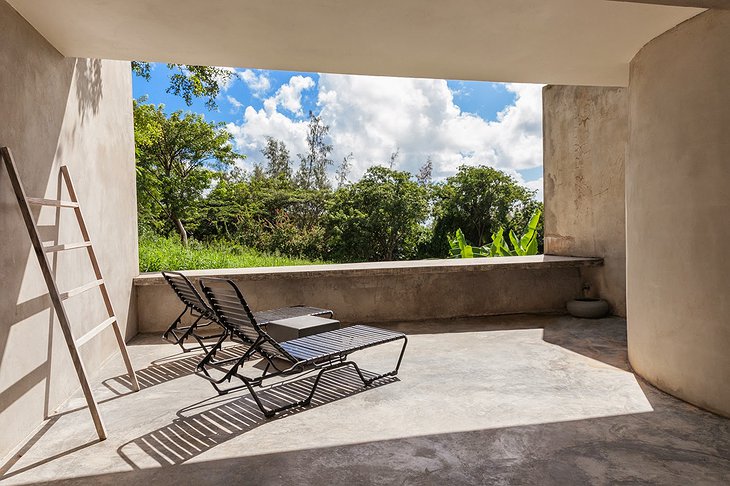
[{"x": 588, "y": 308}]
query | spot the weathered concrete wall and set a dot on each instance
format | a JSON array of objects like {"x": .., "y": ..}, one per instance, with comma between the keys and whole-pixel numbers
[
  {"x": 57, "y": 111},
  {"x": 678, "y": 202},
  {"x": 585, "y": 130},
  {"x": 389, "y": 291}
]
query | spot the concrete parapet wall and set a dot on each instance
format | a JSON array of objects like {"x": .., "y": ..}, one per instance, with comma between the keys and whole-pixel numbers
[{"x": 389, "y": 291}]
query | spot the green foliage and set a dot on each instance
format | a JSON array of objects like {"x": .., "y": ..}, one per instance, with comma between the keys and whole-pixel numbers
[
  {"x": 461, "y": 249},
  {"x": 378, "y": 218},
  {"x": 176, "y": 158},
  {"x": 527, "y": 244},
  {"x": 186, "y": 184},
  {"x": 190, "y": 82},
  {"x": 277, "y": 156},
  {"x": 479, "y": 200},
  {"x": 159, "y": 253}
]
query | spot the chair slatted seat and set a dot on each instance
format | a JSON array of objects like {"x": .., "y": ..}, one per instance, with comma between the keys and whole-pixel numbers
[{"x": 324, "y": 352}]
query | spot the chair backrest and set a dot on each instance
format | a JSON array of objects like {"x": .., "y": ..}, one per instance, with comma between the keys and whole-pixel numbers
[
  {"x": 187, "y": 293},
  {"x": 233, "y": 311}
]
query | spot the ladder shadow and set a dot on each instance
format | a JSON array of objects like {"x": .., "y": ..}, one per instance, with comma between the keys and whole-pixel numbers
[
  {"x": 191, "y": 435},
  {"x": 166, "y": 369}
]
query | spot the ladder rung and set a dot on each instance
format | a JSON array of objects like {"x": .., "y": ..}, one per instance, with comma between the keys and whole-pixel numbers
[
  {"x": 86, "y": 337},
  {"x": 82, "y": 289},
  {"x": 66, "y": 246},
  {"x": 52, "y": 202}
]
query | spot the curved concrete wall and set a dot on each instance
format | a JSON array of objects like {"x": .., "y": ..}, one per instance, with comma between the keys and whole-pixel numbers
[{"x": 678, "y": 212}]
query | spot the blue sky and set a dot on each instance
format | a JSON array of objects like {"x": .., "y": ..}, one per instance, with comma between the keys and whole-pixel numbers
[{"x": 451, "y": 122}]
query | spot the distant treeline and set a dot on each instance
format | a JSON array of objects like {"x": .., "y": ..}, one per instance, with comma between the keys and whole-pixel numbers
[{"x": 188, "y": 185}]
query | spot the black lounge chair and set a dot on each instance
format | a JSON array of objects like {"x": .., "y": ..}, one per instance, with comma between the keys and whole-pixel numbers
[
  {"x": 324, "y": 352},
  {"x": 205, "y": 316}
]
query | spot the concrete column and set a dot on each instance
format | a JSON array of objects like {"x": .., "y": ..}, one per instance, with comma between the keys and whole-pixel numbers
[
  {"x": 585, "y": 129},
  {"x": 678, "y": 211}
]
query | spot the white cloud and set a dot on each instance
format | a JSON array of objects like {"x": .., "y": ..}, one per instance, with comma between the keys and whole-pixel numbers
[
  {"x": 374, "y": 116},
  {"x": 237, "y": 105},
  {"x": 536, "y": 185},
  {"x": 259, "y": 84},
  {"x": 289, "y": 95}
]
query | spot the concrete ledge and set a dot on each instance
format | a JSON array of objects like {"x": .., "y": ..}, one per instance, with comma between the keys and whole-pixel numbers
[{"x": 390, "y": 291}]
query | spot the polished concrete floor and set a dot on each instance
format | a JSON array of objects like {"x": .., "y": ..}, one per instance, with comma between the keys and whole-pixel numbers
[{"x": 507, "y": 400}]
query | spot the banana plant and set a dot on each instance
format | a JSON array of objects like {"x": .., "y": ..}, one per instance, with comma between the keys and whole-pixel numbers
[
  {"x": 460, "y": 249},
  {"x": 525, "y": 245}
]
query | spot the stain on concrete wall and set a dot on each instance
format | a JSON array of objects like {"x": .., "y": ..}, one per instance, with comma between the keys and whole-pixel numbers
[{"x": 585, "y": 134}]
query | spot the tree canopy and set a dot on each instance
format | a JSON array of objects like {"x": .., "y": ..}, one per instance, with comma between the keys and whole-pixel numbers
[
  {"x": 479, "y": 200},
  {"x": 189, "y": 81},
  {"x": 176, "y": 156},
  {"x": 377, "y": 218}
]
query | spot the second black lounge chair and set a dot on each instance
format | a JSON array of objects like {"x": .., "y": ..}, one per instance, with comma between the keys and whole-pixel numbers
[
  {"x": 204, "y": 316},
  {"x": 325, "y": 351}
]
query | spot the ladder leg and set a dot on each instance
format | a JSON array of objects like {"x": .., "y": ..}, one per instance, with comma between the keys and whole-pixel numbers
[
  {"x": 97, "y": 271},
  {"x": 125, "y": 356}
]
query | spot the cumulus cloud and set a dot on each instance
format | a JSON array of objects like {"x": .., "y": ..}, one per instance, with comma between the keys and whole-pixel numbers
[
  {"x": 289, "y": 95},
  {"x": 258, "y": 83},
  {"x": 373, "y": 117},
  {"x": 235, "y": 104}
]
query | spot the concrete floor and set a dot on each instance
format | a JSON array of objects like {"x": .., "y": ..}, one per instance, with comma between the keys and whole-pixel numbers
[{"x": 507, "y": 400}]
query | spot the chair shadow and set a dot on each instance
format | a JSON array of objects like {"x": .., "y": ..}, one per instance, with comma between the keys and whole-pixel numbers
[{"x": 191, "y": 435}]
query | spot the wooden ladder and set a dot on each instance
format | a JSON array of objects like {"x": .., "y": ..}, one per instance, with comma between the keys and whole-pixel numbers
[{"x": 57, "y": 297}]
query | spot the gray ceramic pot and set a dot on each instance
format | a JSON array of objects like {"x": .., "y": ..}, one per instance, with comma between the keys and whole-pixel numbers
[{"x": 588, "y": 308}]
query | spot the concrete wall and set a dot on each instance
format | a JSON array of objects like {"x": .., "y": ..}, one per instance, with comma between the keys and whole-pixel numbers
[
  {"x": 389, "y": 291},
  {"x": 585, "y": 130},
  {"x": 678, "y": 207},
  {"x": 57, "y": 111}
]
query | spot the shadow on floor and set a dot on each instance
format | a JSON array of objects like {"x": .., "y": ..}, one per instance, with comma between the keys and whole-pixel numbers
[
  {"x": 191, "y": 435},
  {"x": 167, "y": 369},
  {"x": 600, "y": 339},
  {"x": 646, "y": 448}
]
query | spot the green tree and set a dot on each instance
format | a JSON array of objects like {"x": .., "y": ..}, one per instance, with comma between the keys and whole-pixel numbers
[
  {"x": 312, "y": 172},
  {"x": 190, "y": 81},
  {"x": 479, "y": 200},
  {"x": 278, "y": 163},
  {"x": 343, "y": 171},
  {"x": 175, "y": 156},
  {"x": 425, "y": 173},
  {"x": 377, "y": 218}
]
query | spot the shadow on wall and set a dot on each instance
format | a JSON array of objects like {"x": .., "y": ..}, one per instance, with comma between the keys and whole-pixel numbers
[
  {"x": 39, "y": 133},
  {"x": 89, "y": 87}
]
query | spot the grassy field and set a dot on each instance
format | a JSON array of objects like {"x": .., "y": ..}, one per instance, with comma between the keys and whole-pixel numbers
[{"x": 157, "y": 254}]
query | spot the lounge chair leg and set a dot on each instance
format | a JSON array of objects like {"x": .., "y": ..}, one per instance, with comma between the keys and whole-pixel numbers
[
  {"x": 173, "y": 327},
  {"x": 370, "y": 381}
]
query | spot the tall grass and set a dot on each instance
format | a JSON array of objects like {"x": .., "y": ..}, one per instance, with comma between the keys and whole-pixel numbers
[{"x": 158, "y": 253}]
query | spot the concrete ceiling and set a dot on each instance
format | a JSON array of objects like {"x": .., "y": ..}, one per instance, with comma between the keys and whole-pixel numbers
[
  {"x": 721, "y": 4},
  {"x": 542, "y": 41}
]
